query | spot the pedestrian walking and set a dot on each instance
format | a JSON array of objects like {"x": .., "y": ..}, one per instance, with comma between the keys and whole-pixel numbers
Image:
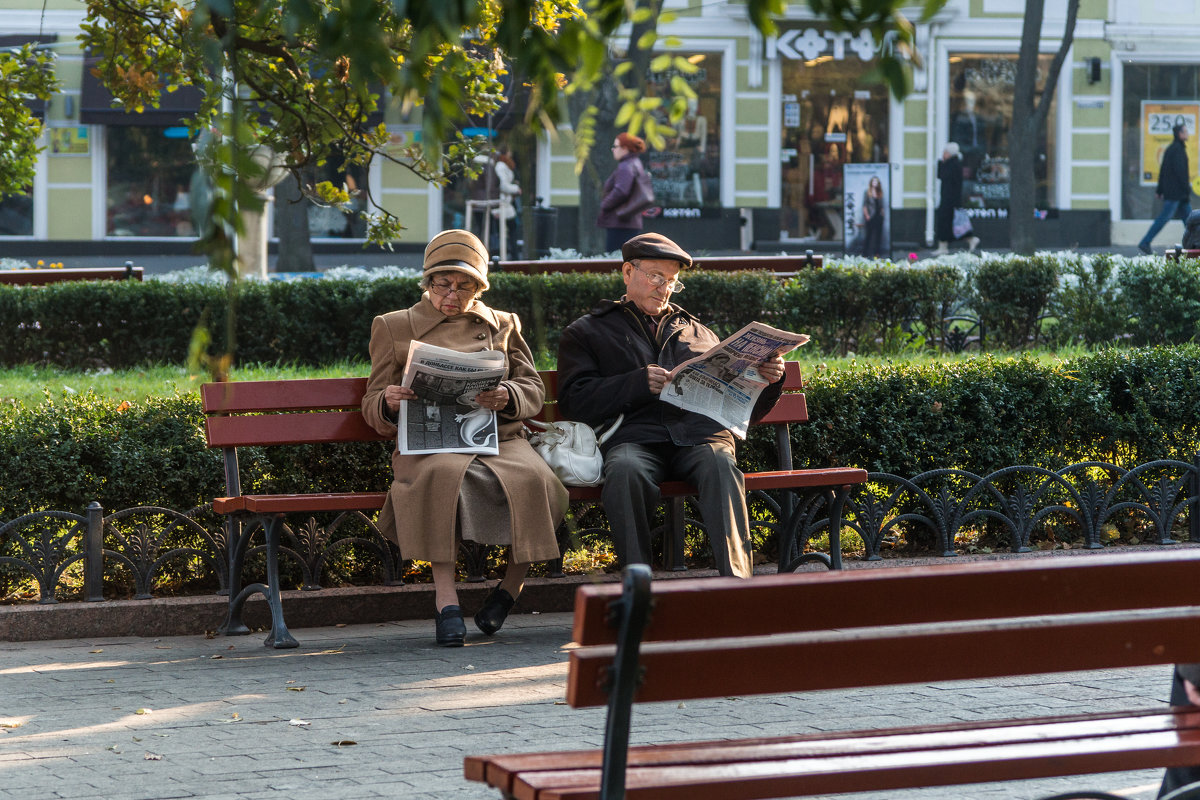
[{"x": 1174, "y": 186}]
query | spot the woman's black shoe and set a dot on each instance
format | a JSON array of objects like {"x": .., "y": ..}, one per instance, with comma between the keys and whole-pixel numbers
[
  {"x": 451, "y": 630},
  {"x": 495, "y": 610}
]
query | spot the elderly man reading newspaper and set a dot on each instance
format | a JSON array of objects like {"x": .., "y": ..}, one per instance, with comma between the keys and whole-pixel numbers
[{"x": 617, "y": 359}]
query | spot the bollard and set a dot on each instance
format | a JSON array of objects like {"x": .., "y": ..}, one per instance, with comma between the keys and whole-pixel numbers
[{"x": 93, "y": 554}]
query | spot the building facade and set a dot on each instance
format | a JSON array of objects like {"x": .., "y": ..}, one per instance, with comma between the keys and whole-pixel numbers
[{"x": 771, "y": 154}]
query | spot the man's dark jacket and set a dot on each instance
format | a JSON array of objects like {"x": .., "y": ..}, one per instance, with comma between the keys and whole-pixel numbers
[
  {"x": 602, "y": 361},
  {"x": 1173, "y": 181}
]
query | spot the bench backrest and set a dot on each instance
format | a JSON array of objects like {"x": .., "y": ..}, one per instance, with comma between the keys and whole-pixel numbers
[
  {"x": 790, "y": 408},
  {"x": 1176, "y": 253},
  {"x": 41, "y": 277},
  {"x": 717, "y": 637},
  {"x": 318, "y": 410},
  {"x": 787, "y": 265}
]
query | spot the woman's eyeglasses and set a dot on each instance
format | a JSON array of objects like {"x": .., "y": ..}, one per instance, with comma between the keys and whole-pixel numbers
[{"x": 445, "y": 289}]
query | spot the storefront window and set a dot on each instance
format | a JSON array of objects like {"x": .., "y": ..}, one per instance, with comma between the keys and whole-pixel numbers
[
  {"x": 329, "y": 222},
  {"x": 830, "y": 117},
  {"x": 149, "y": 171},
  {"x": 1157, "y": 97},
  {"x": 981, "y": 113},
  {"x": 686, "y": 173},
  {"x": 16, "y": 215}
]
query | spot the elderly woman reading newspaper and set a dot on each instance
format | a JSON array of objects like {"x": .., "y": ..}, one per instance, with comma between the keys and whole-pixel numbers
[{"x": 435, "y": 499}]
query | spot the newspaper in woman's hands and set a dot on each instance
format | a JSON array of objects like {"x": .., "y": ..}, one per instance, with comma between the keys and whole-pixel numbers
[
  {"x": 724, "y": 382},
  {"x": 445, "y": 417}
]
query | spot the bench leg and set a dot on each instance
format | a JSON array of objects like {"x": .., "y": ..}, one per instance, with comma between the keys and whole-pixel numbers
[
  {"x": 673, "y": 536},
  {"x": 788, "y": 560},
  {"x": 837, "y": 504},
  {"x": 279, "y": 637},
  {"x": 238, "y": 542}
]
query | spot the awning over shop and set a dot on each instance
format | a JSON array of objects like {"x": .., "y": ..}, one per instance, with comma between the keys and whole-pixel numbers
[
  {"x": 38, "y": 107},
  {"x": 97, "y": 106}
]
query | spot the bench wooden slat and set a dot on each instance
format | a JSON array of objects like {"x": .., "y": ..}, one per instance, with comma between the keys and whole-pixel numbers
[
  {"x": 871, "y": 771},
  {"x": 288, "y": 503},
  {"x": 790, "y": 408},
  {"x": 304, "y": 394},
  {"x": 778, "y": 264},
  {"x": 894, "y": 596},
  {"x": 890, "y": 656},
  {"x": 500, "y": 770},
  {"x": 42, "y": 277},
  {"x": 281, "y": 429}
]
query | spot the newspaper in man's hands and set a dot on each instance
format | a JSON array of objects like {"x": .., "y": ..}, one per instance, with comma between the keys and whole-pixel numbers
[
  {"x": 445, "y": 417},
  {"x": 724, "y": 383}
]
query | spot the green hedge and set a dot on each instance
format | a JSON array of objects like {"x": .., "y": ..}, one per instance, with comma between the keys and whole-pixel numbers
[
  {"x": 850, "y": 307},
  {"x": 1124, "y": 407}
]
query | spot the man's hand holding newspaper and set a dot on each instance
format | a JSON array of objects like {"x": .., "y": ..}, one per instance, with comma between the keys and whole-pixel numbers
[
  {"x": 445, "y": 416},
  {"x": 724, "y": 382}
]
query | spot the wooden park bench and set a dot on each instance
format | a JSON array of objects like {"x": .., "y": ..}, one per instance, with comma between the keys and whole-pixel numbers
[
  {"x": 41, "y": 277},
  {"x": 782, "y": 265},
  {"x": 686, "y": 639},
  {"x": 1177, "y": 252},
  {"x": 319, "y": 410}
]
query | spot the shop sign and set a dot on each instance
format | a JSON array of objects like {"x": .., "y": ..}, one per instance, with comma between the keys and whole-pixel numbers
[
  {"x": 1158, "y": 118},
  {"x": 809, "y": 43}
]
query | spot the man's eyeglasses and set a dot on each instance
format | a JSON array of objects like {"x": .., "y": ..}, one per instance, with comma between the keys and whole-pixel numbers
[
  {"x": 445, "y": 289},
  {"x": 658, "y": 281}
]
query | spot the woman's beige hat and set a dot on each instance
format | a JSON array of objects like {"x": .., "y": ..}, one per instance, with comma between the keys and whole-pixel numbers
[{"x": 457, "y": 251}]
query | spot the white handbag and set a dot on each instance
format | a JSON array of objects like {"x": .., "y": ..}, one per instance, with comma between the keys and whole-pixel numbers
[{"x": 572, "y": 449}]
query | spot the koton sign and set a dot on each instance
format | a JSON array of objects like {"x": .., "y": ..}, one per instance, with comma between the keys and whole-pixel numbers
[{"x": 809, "y": 43}]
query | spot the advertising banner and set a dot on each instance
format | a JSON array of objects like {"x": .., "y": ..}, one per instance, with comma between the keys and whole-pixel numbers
[
  {"x": 866, "y": 210},
  {"x": 1158, "y": 118}
]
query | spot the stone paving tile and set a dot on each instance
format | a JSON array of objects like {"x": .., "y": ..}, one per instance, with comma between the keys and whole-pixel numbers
[{"x": 414, "y": 710}]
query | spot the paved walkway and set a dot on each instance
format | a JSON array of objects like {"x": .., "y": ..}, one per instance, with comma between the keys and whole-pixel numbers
[{"x": 378, "y": 711}]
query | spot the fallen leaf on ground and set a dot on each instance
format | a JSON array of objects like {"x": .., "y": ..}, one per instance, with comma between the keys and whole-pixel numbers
[
  {"x": 296, "y": 688},
  {"x": 218, "y": 655},
  {"x": 97, "y": 650},
  {"x": 343, "y": 743},
  {"x": 152, "y": 756},
  {"x": 299, "y": 723},
  {"x": 142, "y": 711},
  {"x": 13, "y": 724}
]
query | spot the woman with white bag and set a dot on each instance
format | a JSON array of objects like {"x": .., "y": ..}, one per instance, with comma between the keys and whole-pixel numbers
[{"x": 950, "y": 221}]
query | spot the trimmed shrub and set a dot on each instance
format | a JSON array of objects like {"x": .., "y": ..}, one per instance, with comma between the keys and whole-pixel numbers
[{"x": 1124, "y": 407}]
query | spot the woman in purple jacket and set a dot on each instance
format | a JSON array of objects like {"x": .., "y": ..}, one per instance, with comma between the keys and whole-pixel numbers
[{"x": 620, "y": 229}]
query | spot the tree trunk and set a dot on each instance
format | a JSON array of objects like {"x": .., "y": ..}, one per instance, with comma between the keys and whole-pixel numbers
[
  {"x": 291, "y": 228},
  {"x": 1030, "y": 111},
  {"x": 603, "y": 96}
]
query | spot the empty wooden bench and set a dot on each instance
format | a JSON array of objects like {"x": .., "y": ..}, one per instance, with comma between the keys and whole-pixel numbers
[
  {"x": 783, "y": 266},
  {"x": 1178, "y": 252},
  {"x": 41, "y": 277},
  {"x": 684, "y": 639},
  {"x": 319, "y": 410}
]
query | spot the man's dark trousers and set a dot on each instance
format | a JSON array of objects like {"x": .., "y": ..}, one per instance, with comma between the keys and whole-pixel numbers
[{"x": 630, "y": 494}]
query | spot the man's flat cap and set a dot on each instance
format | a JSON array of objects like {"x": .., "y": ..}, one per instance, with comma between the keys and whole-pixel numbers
[{"x": 654, "y": 245}]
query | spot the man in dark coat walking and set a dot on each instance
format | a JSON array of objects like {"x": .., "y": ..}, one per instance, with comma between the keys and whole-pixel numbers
[
  {"x": 1174, "y": 186},
  {"x": 615, "y": 360}
]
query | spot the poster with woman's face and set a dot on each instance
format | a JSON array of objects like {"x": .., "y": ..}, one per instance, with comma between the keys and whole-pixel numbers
[{"x": 867, "y": 228}]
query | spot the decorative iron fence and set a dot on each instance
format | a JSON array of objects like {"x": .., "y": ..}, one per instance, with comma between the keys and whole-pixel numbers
[{"x": 140, "y": 551}]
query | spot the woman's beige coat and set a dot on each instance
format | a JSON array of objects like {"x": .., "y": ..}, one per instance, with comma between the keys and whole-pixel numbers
[{"x": 421, "y": 509}]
